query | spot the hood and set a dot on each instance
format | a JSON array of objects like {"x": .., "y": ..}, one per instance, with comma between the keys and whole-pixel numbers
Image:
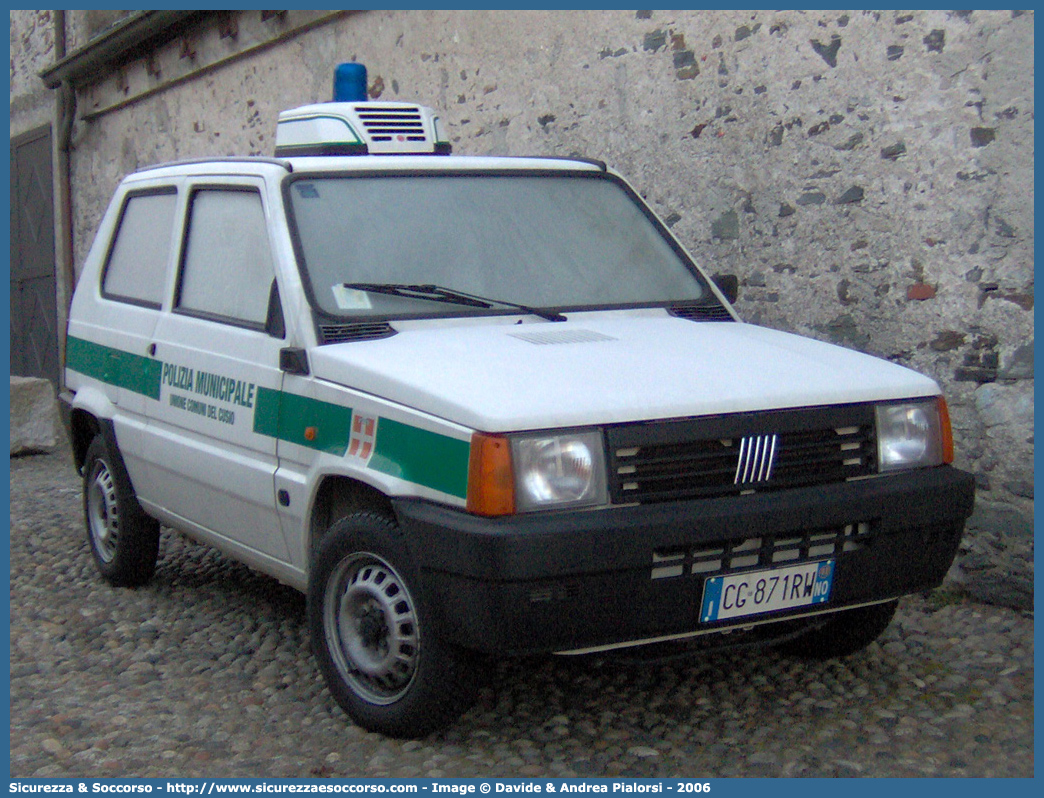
[{"x": 607, "y": 368}]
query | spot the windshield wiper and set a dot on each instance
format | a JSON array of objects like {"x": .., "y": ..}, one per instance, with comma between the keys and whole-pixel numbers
[{"x": 436, "y": 293}]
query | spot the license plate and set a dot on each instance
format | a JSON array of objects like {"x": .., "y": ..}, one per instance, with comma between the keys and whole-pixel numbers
[{"x": 755, "y": 592}]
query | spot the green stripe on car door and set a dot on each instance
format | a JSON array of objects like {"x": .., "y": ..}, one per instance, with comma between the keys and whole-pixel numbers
[
  {"x": 409, "y": 453},
  {"x": 331, "y": 424},
  {"x": 135, "y": 373}
]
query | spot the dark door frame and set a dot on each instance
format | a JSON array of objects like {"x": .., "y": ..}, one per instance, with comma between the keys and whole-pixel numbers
[{"x": 34, "y": 311}]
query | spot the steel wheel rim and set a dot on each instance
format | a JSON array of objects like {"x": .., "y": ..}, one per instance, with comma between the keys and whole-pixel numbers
[
  {"x": 371, "y": 628},
  {"x": 103, "y": 515}
]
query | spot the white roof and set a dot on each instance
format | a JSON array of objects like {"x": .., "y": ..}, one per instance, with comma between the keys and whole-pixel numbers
[{"x": 277, "y": 167}]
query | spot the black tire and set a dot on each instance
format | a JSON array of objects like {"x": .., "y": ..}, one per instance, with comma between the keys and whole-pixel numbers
[
  {"x": 123, "y": 539},
  {"x": 845, "y": 633},
  {"x": 373, "y": 637}
]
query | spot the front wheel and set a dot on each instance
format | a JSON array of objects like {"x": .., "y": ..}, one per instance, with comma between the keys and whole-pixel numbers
[
  {"x": 124, "y": 540},
  {"x": 372, "y": 634}
]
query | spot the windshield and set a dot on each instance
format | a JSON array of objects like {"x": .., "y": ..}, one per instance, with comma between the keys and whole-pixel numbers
[{"x": 563, "y": 241}]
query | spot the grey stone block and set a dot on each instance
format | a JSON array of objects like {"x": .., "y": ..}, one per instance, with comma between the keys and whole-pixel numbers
[{"x": 34, "y": 415}]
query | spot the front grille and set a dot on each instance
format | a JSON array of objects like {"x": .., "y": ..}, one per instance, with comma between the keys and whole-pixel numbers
[
  {"x": 742, "y": 453},
  {"x": 403, "y": 124},
  {"x": 768, "y": 551}
]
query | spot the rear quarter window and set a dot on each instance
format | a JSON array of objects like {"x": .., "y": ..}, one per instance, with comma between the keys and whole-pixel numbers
[{"x": 136, "y": 268}]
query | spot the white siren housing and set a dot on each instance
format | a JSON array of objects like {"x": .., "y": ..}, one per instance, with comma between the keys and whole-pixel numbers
[{"x": 351, "y": 125}]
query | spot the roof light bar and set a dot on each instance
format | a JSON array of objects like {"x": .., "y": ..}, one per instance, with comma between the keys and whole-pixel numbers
[{"x": 352, "y": 125}]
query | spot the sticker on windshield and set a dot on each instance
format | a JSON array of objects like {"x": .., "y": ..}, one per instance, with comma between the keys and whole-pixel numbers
[{"x": 351, "y": 298}]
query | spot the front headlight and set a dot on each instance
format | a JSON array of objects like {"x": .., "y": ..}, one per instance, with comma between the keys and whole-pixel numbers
[
  {"x": 913, "y": 435},
  {"x": 559, "y": 470}
]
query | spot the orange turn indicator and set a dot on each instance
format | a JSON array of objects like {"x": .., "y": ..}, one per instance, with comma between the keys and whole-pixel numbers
[
  {"x": 947, "y": 431},
  {"x": 491, "y": 482}
]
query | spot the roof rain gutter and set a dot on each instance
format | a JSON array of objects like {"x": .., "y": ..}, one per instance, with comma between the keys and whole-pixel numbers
[{"x": 119, "y": 44}]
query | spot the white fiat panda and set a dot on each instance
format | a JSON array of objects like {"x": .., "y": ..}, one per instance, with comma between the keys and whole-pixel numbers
[{"x": 482, "y": 405}]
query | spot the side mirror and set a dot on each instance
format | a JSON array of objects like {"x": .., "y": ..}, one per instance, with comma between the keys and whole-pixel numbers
[
  {"x": 728, "y": 284},
  {"x": 293, "y": 360}
]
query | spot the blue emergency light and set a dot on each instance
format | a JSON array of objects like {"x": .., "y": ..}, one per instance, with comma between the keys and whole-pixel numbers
[{"x": 350, "y": 83}]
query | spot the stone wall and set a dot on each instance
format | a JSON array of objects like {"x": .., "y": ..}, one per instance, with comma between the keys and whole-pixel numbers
[
  {"x": 867, "y": 175},
  {"x": 32, "y": 49}
]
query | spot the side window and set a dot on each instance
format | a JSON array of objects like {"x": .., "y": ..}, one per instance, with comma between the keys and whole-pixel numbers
[
  {"x": 137, "y": 266},
  {"x": 227, "y": 270}
]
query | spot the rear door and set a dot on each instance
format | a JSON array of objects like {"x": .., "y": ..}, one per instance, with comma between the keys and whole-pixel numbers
[
  {"x": 219, "y": 355},
  {"x": 112, "y": 324}
]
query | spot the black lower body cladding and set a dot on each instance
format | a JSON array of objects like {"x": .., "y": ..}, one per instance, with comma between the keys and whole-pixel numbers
[{"x": 570, "y": 580}]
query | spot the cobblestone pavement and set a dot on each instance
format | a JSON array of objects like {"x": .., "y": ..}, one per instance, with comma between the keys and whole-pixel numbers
[{"x": 207, "y": 672}]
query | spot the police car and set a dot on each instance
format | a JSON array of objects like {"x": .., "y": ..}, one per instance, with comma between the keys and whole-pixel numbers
[{"x": 482, "y": 406}]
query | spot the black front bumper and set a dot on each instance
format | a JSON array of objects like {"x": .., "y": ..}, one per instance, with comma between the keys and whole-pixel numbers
[{"x": 570, "y": 580}]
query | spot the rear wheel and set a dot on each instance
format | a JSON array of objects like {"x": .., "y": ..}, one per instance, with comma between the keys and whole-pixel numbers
[
  {"x": 373, "y": 637},
  {"x": 845, "y": 633},
  {"x": 124, "y": 540}
]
